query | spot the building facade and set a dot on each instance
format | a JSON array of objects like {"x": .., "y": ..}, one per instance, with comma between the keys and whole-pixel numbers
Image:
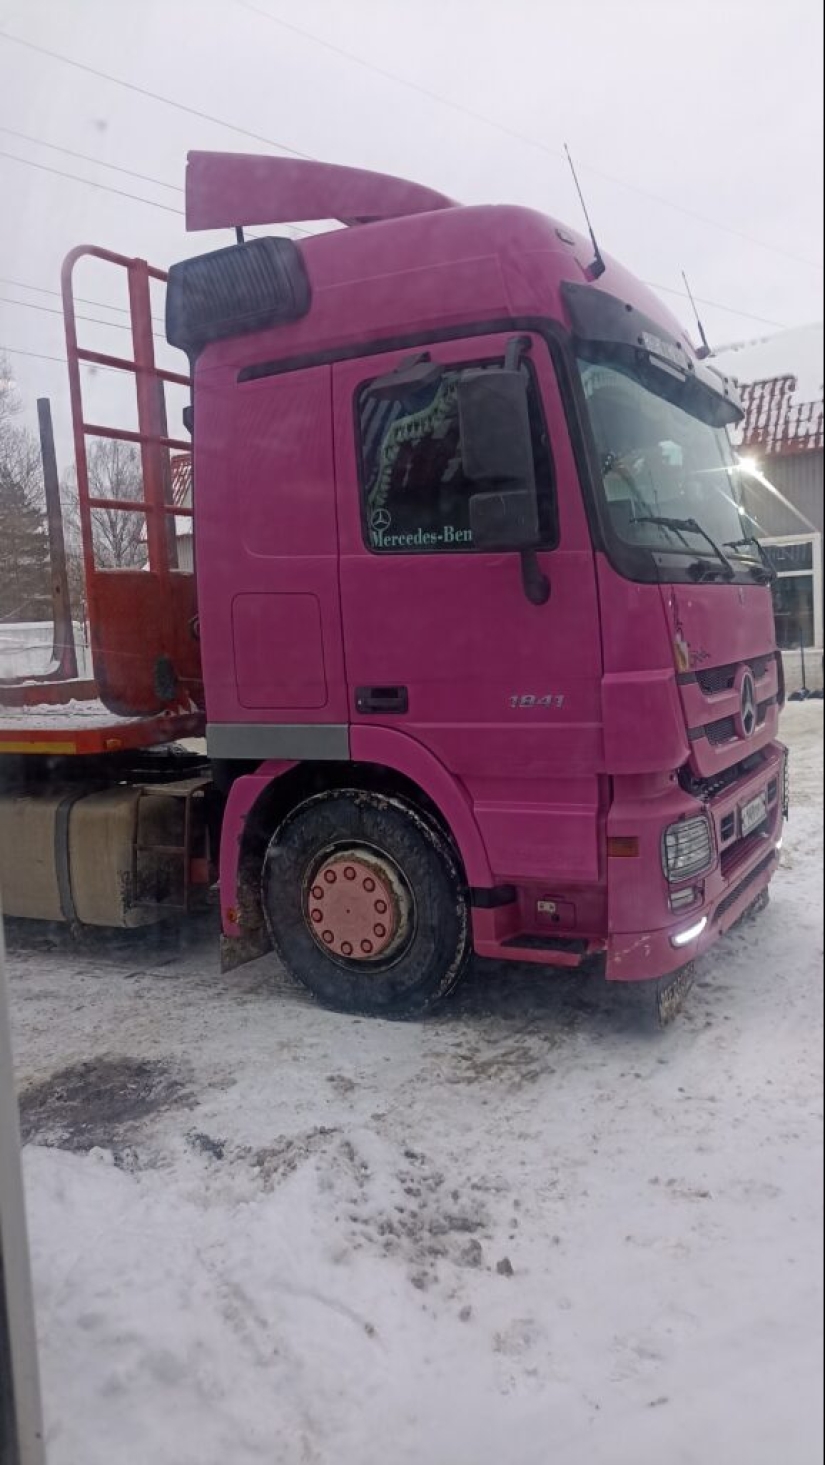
[{"x": 782, "y": 445}]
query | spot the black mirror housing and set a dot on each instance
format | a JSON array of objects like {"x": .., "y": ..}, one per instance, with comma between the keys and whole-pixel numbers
[
  {"x": 497, "y": 454},
  {"x": 504, "y": 521},
  {"x": 495, "y": 428}
]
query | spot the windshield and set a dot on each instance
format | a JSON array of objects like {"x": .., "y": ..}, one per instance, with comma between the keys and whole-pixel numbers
[{"x": 660, "y": 462}]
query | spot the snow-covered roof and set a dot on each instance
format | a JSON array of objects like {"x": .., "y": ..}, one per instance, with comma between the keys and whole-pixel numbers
[
  {"x": 181, "y": 465},
  {"x": 181, "y": 468},
  {"x": 781, "y": 380}
]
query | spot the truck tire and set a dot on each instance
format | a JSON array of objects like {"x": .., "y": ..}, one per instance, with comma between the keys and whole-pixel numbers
[{"x": 365, "y": 904}]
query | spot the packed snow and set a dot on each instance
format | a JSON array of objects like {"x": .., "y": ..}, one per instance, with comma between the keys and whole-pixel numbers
[
  {"x": 525, "y": 1231},
  {"x": 61, "y": 716}
]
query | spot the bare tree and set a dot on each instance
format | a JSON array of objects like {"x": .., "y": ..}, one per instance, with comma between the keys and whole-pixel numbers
[
  {"x": 119, "y": 535},
  {"x": 25, "y": 591}
]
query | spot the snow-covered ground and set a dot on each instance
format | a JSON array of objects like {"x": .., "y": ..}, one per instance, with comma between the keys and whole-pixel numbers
[{"x": 522, "y": 1232}]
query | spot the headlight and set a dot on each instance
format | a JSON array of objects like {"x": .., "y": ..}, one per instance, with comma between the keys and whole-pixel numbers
[{"x": 687, "y": 848}]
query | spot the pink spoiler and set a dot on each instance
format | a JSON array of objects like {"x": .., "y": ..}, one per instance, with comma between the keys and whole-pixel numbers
[{"x": 224, "y": 190}]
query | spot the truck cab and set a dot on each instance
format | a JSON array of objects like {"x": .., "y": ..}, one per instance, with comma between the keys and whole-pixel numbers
[
  {"x": 488, "y": 655},
  {"x": 477, "y": 630}
]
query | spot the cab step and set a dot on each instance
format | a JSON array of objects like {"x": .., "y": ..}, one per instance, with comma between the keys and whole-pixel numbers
[{"x": 559, "y": 951}]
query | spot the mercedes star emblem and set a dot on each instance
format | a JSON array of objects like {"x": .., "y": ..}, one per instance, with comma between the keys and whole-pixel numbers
[{"x": 747, "y": 704}]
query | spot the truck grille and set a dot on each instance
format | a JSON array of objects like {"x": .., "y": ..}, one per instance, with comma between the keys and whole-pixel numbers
[
  {"x": 724, "y": 729},
  {"x": 750, "y": 879},
  {"x": 739, "y": 852},
  {"x": 722, "y": 678}
]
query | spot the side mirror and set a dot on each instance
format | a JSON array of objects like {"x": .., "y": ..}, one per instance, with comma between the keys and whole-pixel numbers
[
  {"x": 503, "y": 521},
  {"x": 497, "y": 454}
]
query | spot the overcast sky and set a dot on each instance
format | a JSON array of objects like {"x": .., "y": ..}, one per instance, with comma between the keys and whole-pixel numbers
[{"x": 693, "y": 124}]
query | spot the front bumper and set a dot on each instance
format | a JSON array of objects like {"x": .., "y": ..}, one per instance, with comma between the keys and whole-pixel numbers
[{"x": 743, "y": 867}]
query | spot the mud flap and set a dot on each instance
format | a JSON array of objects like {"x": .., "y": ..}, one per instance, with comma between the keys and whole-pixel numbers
[
  {"x": 670, "y": 992},
  {"x": 239, "y": 950}
]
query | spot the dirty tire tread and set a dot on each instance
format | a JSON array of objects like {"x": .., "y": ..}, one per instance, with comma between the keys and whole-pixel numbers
[{"x": 433, "y": 963}]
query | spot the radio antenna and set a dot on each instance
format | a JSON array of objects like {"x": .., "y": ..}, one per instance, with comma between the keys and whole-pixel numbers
[
  {"x": 598, "y": 265},
  {"x": 704, "y": 350}
]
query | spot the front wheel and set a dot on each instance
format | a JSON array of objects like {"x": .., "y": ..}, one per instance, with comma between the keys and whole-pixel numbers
[{"x": 365, "y": 904}]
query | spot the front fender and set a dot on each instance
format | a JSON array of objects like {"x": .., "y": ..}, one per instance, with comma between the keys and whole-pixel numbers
[
  {"x": 390, "y": 748},
  {"x": 380, "y": 746},
  {"x": 242, "y": 798}
]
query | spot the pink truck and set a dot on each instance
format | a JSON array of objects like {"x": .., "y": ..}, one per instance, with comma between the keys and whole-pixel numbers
[{"x": 483, "y": 646}]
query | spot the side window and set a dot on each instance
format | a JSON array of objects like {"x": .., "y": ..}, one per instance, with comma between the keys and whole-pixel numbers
[{"x": 415, "y": 498}]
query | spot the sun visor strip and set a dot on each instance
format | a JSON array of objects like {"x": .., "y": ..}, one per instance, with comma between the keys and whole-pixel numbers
[{"x": 598, "y": 318}]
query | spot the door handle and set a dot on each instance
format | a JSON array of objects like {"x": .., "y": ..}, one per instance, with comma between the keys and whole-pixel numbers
[{"x": 382, "y": 699}]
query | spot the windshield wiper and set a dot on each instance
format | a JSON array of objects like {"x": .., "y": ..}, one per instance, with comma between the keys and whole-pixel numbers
[
  {"x": 689, "y": 526},
  {"x": 765, "y": 570}
]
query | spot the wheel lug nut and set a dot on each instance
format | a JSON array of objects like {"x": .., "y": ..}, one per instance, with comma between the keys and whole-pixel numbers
[
  {"x": 369, "y": 883},
  {"x": 317, "y": 916},
  {"x": 327, "y": 937},
  {"x": 380, "y": 930},
  {"x": 317, "y": 892},
  {"x": 346, "y": 948},
  {"x": 349, "y": 873},
  {"x": 381, "y": 907},
  {"x": 366, "y": 947},
  {"x": 330, "y": 877}
]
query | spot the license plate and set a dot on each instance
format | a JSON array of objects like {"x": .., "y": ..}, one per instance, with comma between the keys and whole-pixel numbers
[{"x": 754, "y": 813}]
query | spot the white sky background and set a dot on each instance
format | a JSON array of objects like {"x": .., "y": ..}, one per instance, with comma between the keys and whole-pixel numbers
[{"x": 713, "y": 105}]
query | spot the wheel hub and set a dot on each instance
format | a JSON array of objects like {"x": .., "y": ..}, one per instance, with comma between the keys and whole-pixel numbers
[{"x": 356, "y": 906}]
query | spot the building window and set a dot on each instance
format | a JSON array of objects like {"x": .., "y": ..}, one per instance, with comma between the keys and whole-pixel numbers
[
  {"x": 796, "y": 591},
  {"x": 416, "y": 499}
]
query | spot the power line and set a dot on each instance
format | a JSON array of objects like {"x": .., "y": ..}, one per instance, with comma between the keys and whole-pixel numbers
[
  {"x": 62, "y": 361},
  {"x": 114, "y": 325},
  {"x": 44, "y": 290},
  {"x": 52, "y": 309},
  {"x": 100, "y": 163},
  {"x": 85, "y": 158},
  {"x": 154, "y": 96},
  {"x": 401, "y": 81},
  {"x": 81, "y": 299},
  {"x": 516, "y": 134},
  {"x": 90, "y": 183},
  {"x": 715, "y": 305},
  {"x": 39, "y": 355}
]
